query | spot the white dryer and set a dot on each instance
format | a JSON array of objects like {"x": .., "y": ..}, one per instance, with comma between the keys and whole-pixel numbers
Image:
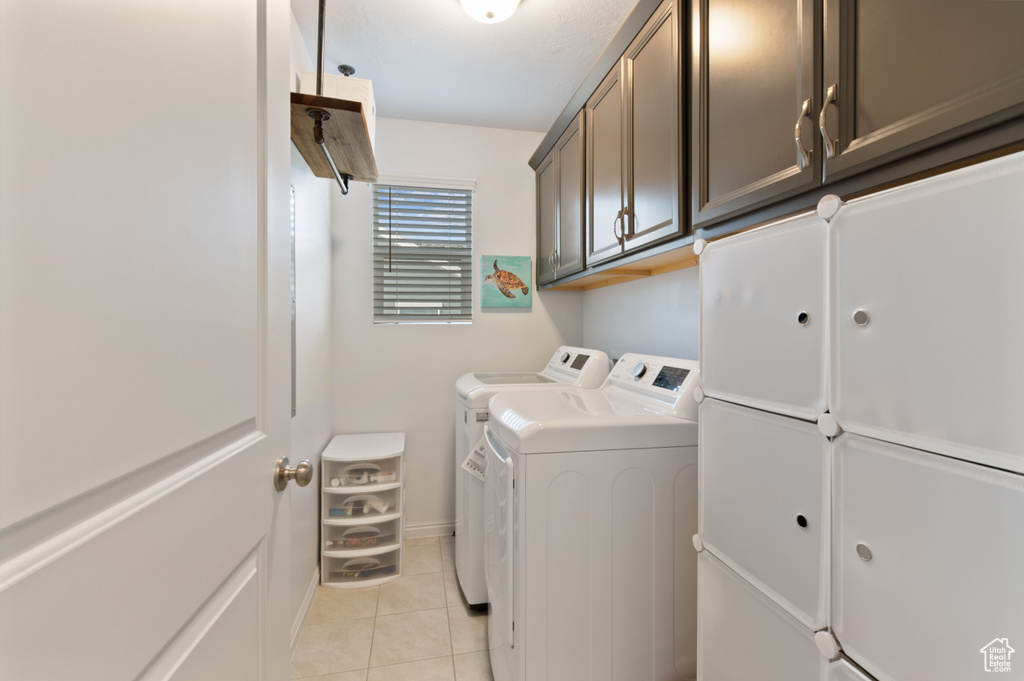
[
  {"x": 568, "y": 367},
  {"x": 590, "y": 506}
]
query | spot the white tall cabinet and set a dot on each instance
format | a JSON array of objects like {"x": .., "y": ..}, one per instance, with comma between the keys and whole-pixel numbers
[{"x": 861, "y": 450}]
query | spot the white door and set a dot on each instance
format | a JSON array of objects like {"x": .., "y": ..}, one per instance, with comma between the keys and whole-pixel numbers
[{"x": 144, "y": 330}]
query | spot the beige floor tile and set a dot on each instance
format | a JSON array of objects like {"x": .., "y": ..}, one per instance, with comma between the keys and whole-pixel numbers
[
  {"x": 453, "y": 597},
  {"x": 469, "y": 630},
  {"x": 421, "y": 559},
  {"x": 448, "y": 552},
  {"x": 410, "y": 636},
  {"x": 334, "y": 647},
  {"x": 473, "y": 667},
  {"x": 333, "y": 605},
  {"x": 358, "y": 675},
  {"x": 412, "y": 592},
  {"x": 436, "y": 669},
  {"x": 421, "y": 541}
]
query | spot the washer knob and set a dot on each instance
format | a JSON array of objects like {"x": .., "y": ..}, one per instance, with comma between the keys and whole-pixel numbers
[
  {"x": 565, "y": 357},
  {"x": 639, "y": 370}
]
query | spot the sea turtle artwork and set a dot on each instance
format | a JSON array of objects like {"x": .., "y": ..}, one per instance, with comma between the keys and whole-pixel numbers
[{"x": 506, "y": 281}]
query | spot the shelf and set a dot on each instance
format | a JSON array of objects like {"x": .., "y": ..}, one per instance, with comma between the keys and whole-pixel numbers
[
  {"x": 344, "y": 134},
  {"x": 358, "y": 553},
  {"x": 362, "y": 519},
  {"x": 362, "y": 489},
  {"x": 642, "y": 266}
]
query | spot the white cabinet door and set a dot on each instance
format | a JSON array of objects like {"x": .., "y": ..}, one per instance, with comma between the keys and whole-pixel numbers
[
  {"x": 144, "y": 340},
  {"x": 764, "y": 503},
  {"x": 927, "y": 555},
  {"x": 743, "y": 636},
  {"x": 926, "y": 285},
  {"x": 763, "y": 318}
]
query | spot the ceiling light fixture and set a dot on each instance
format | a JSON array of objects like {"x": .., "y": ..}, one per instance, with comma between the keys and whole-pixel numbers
[{"x": 489, "y": 11}]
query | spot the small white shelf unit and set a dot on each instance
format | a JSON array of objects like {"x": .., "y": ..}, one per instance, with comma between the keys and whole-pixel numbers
[{"x": 362, "y": 507}]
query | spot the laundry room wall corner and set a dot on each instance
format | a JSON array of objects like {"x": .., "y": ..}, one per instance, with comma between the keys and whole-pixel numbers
[
  {"x": 400, "y": 377},
  {"x": 311, "y": 424}
]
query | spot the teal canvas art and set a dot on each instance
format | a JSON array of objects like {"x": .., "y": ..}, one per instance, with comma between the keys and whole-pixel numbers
[{"x": 507, "y": 281}]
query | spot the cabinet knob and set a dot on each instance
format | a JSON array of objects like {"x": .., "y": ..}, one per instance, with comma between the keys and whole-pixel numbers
[
  {"x": 302, "y": 474},
  {"x": 861, "y": 318},
  {"x": 803, "y": 156},
  {"x": 801, "y": 521},
  {"x": 864, "y": 552},
  {"x": 803, "y": 319},
  {"x": 830, "y": 96}
]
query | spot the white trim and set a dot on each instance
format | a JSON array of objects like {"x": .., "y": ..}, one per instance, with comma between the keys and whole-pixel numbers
[
  {"x": 427, "y": 181},
  {"x": 429, "y": 530},
  {"x": 305, "y": 608}
]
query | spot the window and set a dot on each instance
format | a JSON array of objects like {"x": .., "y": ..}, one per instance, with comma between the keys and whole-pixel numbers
[{"x": 422, "y": 254}]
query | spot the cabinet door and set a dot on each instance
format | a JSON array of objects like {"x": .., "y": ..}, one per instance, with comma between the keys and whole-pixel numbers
[
  {"x": 763, "y": 318},
  {"x": 926, "y": 314},
  {"x": 569, "y": 190},
  {"x": 926, "y": 560},
  {"x": 654, "y": 125},
  {"x": 753, "y": 105},
  {"x": 743, "y": 636},
  {"x": 546, "y": 225},
  {"x": 764, "y": 504},
  {"x": 909, "y": 75},
  {"x": 604, "y": 169}
]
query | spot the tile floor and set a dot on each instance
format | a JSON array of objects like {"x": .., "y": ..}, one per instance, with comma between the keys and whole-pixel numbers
[{"x": 414, "y": 628}]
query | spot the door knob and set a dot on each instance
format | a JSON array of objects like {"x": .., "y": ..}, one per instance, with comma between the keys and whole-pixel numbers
[{"x": 301, "y": 474}]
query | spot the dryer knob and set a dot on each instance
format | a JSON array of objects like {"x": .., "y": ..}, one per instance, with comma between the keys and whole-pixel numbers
[
  {"x": 565, "y": 357},
  {"x": 639, "y": 370}
]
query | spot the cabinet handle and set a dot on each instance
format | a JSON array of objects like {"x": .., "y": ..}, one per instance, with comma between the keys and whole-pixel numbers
[
  {"x": 551, "y": 260},
  {"x": 558, "y": 259},
  {"x": 615, "y": 226},
  {"x": 803, "y": 157},
  {"x": 830, "y": 96}
]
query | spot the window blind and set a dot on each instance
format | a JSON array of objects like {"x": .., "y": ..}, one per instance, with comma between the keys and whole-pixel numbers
[{"x": 422, "y": 254}]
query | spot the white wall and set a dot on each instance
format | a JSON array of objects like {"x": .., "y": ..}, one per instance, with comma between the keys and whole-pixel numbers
[
  {"x": 400, "y": 377},
  {"x": 311, "y": 425},
  {"x": 657, "y": 316}
]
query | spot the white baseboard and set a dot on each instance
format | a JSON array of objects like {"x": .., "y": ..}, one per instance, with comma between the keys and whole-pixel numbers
[
  {"x": 307, "y": 605},
  {"x": 429, "y": 530}
]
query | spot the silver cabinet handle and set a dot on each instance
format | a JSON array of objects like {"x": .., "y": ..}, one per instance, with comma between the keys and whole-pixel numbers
[
  {"x": 803, "y": 157},
  {"x": 301, "y": 474},
  {"x": 558, "y": 259},
  {"x": 830, "y": 96},
  {"x": 551, "y": 260},
  {"x": 615, "y": 226}
]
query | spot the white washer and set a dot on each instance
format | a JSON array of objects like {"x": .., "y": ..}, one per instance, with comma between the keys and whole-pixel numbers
[
  {"x": 590, "y": 508},
  {"x": 568, "y": 367}
]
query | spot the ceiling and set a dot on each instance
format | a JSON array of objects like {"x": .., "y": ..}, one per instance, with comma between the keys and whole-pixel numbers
[{"x": 429, "y": 61}]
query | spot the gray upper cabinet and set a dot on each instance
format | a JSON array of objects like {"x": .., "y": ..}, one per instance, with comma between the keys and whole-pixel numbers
[
  {"x": 754, "y": 116},
  {"x": 605, "y": 197},
  {"x": 634, "y": 144},
  {"x": 560, "y": 207},
  {"x": 903, "y": 76},
  {"x": 654, "y": 129},
  {"x": 791, "y": 95},
  {"x": 546, "y": 225}
]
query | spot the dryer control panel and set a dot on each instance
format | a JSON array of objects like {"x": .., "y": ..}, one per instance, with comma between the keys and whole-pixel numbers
[{"x": 668, "y": 380}]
